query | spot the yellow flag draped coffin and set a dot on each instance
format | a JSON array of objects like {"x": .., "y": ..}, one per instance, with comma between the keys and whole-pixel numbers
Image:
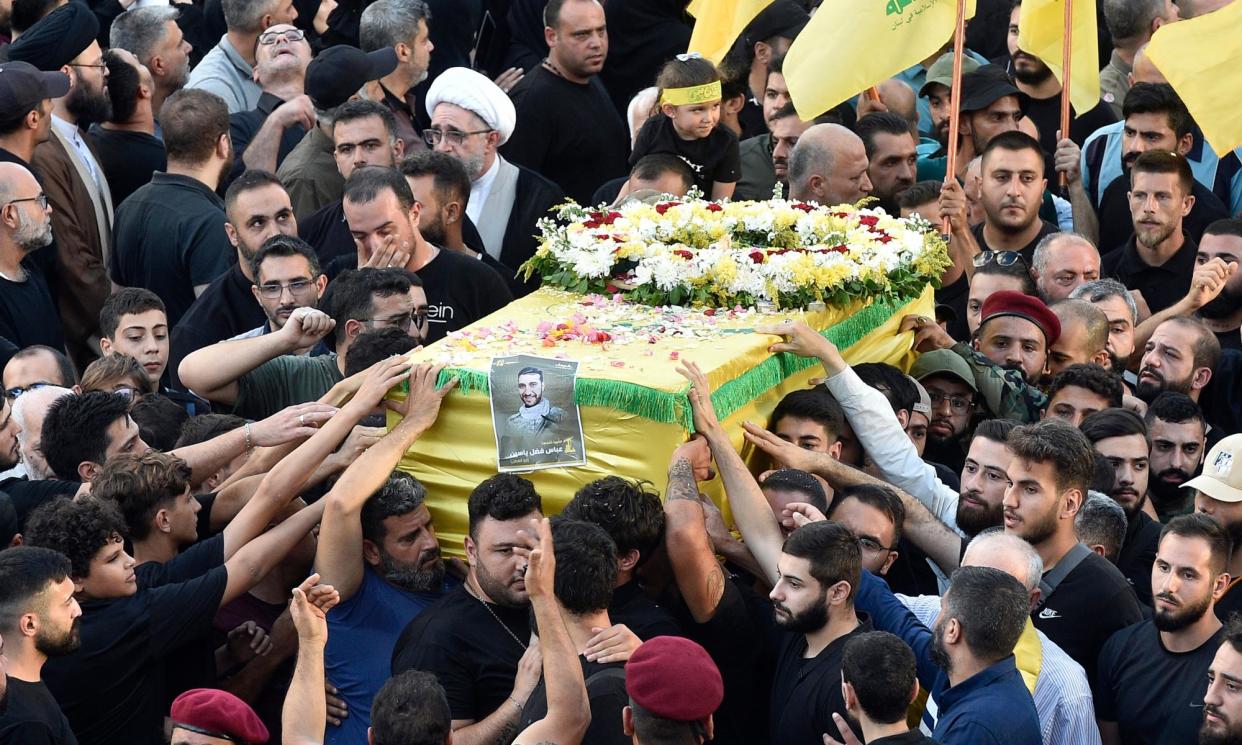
[{"x": 628, "y": 293}]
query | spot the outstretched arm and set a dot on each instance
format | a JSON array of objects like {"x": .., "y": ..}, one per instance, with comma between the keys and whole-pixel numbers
[
  {"x": 304, "y": 716},
  {"x": 699, "y": 576}
]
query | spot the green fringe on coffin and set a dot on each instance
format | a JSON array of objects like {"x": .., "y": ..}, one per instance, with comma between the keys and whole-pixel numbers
[{"x": 674, "y": 408}]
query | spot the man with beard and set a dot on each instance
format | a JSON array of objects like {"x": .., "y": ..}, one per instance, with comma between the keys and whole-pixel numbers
[
  {"x": 786, "y": 129},
  {"x": 402, "y": 25},
  {"x": 1011, "y": 192},
  {"x": 567, "y": 117},
  {"x": 1155, "y": 119},
  {"x": 757, "y": 176},
  {"x": 1119, "y": 308},
  {"x": 891, "y": 156},
  {"x": 151, "y": 34},
  {"x": 1121, "y": 437},
  {"x": 1180, "y": 356},
  {"x": 952, "y": 390},
  {"x": 27, "y": 312},
  {"x": 1218, "y": 493},
  {"x": 1151, "y": 674},
  {"x": 990, "y": 106},
  {"x": 1062, "y": 262},
  {"x": 1222, "y": 706},
  {"x": 1043, "y": 90},
  {"x": 1223, "y": 240},
  {"x": 257, "y": 210},
  {"x": 38, "y": 619},
  {"x": 177, "y": 253},
  {"x": 128, "y": 149},
  {"x": 71, "y": 175},
  {"x": 1178, "y": 431},
  {"x": 476, "y": 640}
]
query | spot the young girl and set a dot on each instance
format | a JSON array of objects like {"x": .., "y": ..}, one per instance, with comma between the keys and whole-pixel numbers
[{"x": 687, "y": 125}]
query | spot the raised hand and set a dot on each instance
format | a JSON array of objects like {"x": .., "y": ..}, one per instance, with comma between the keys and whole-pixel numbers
[
  {"x": 305, "y": 327},
  {"x": 381, "y": 378},
  {"x": 422, "y": 405},
  {"x": 700, "y": 395},
  {"x": 780, "y": 451},
  {"x": 290, "y": 423},
  {"x": 799, "y": 339}
]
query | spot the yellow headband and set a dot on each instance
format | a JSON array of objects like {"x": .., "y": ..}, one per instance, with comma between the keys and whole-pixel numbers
[{"x": 692, "y": 95}]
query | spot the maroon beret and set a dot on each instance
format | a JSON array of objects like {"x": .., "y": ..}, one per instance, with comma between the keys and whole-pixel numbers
[
  {"x": 218, "y": 714},
  {"x": 1010, "y": 303},
  {"x": 674, "y": 678}
]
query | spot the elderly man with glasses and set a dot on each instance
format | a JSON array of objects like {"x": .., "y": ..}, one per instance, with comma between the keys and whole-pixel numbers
[{"x": 28, "y": 315}]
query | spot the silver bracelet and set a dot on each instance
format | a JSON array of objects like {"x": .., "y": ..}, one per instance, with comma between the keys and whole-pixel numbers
[
  {"x": 514, "y": 701},
  {"x": 249, "y": 441}
]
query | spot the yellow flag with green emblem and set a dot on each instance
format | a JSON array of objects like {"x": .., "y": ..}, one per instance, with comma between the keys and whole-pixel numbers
[
  {"x": 1041, "y": 31},
  {"x": 1202, "y": 59},
  {"x": 851, "y": 45},
  {"x": 718, "y": 23}
]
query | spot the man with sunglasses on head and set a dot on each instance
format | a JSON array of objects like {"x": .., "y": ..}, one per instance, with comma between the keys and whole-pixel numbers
[{"x": 1011, "y": 193}]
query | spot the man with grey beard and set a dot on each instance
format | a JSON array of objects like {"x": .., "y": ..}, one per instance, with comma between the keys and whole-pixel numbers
[{"x": 27, "y": 312}]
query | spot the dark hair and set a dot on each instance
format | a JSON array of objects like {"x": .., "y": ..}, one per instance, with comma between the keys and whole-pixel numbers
[
  {"x": 586, "y": 565},
  {"x": 140, "y": 485},
  {"x": 77, "y": 529},
  {"x": 1206, "y": 347},
  {"x": 26, "y": 13},
  {"x": 1233, "y": 632},
  {"x": 1101, "y": 520},
  {"x": 401, "y": 494},
  {"x": 505, "y": 496},
  {"x": 351, "y": 296},
  {"x": 1114, "y": 422},
  {"x": 992, "y": 608},
  {"x": 205, "y": 427},
  {"x": 777, "y": 65},
  {"x": 685, "y": 73},
  {"x": 1065, "y": 447},
  {"x": 75, "y": 430},
  {"x": 352, "y": 111},
  {"x": 1225, "y": 226},
  {"x": 1199, "y": 525},
  {"x": 1105, "y": 477},
  {"x": 1101, "y": 382},
  {"x": 918, "y": 194},
  {"x": 882, "y": 670},
  {"x": 1015, "y": 141},
  {"x": 995, "y": 430},
  {"x": 1018, "y": 270},
  {"x": 656, "y": 730},
  {"x": 68, "y": 376},
  {"x": 629, "y": 511},
  {"x": 283, "y": 246},
  {"x": 1175, "y": 408},
  {"x": 792, "y": 479},
  {"x": 893, "y": 383},
  {"x": 1164, "y": 161},
  {"x": 530, "y": 371},
  {"x": 878, "y": 497},
  {"x": 127, "y": 301},
  {"x": 785, "y": 111},
  {"x": 123, "y": 83},
  {"x": 159, "y": 420},
  {"x": 552, "y": 12},
  {"x": 816, "y": 404},
  {"x": 250, "y": 180},
  {"x": 1158, "y": 98},
  {"x": 734, "y": 81},
  {"x": 25, "y": 574},
  {"x": 374, "y": 345},
  {"x": 193, "y": 121},
  {"x": 880, "y": 122},
  {"x": 364, "y": 185},
  {"x": 411, "y": 709},
  {"x": 104, "y": 373},
  {"x": 653, "y": 166},
  {"x": 449, "y": 178},
  {"x": 832, "y": 550}
]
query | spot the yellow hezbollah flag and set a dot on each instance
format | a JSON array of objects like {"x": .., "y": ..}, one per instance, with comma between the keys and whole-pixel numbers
[
  {"x": 718, "y": 23},
  {"x": 1041, "y": 30},
  {"x": 851, "y": 45},
  {"x": 1202, "y": 59}
]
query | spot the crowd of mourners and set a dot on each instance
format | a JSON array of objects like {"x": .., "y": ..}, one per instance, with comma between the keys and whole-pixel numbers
[{"x": 223, "y": 225}]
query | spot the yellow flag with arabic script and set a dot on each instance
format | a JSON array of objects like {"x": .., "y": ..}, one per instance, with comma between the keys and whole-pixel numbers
[
  {"x": 718, "y": 23},
  {"x": 1202, "y": 59},
  {"x": 851, "y": 45},
  {"x": 1041, "y": 29}
]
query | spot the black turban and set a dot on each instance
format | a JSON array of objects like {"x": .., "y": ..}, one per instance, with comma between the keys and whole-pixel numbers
[{"x": 58, "y": 38}]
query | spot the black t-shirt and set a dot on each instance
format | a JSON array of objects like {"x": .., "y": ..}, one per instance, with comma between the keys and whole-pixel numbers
[
  {"x": 31, "y": 717},
  {"x": 1154, "y": 695},
  {"x": 1162, "y": 285},
  {"x": 1138, "y": 553},
  {"x": 328, "y": 233},
  {"x": 28, "y": 315},
  {"x": 1046, "y": 114},
  {"x": 471, "y": 649},
  {"x": 644, "y": 616},
  {"x": 1231, "y": 602},
  {"x": 112, "y": 689},
  {"x": 244, "y": 125},
  {"x": 1027, "y": 251},
  {"x": 191, "y": 563},
  {"x": 714, "y": 158},
  {"x": 605, "y": 686},
  {"x": 807, "y": 692},
  {"x": 128, "y": 159},
  {"x": 955, "y": 296},
  {"x": 564, "y": 125},
  {"x": 1117, "y": 224},
  {"x": 1089, "y": 605},
  {"x": 1230, "y": 339},
  {"x": 27, "y": 494},
  {"x": 225, "y": 309}
]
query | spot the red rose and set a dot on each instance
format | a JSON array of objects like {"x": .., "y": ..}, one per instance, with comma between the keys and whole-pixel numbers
[
  {"x": 756, "y": 256},
  {"x": 868, "y": 220},
  {"x": 666, "y": 206},
  {"x": 683, "y": 254},
  {"x": 803, "y": 206},
  {"x": 713, "y": 207}
]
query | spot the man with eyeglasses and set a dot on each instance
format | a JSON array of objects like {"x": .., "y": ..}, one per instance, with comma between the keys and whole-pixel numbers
[
  {"x": 471, "y": 117},
  {"x": 228, "y": 69},
  {"x": 951, "y": 388},
  {"x": 28, "y": 314},
  {"x": 264, "y": 135}
]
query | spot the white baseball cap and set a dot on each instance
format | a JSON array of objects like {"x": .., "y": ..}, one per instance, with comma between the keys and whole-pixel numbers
[{"x": 1222, "y": 471}]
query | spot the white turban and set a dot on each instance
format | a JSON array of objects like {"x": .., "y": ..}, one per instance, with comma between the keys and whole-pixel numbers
[{"x": 474, "y": 92}]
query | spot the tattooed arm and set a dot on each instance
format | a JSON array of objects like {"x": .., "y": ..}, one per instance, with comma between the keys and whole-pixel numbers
[{"x": 699, "y": 576}]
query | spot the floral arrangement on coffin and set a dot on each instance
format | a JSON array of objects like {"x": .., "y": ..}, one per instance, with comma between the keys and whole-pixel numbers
[{"x": 699, "y": 253}]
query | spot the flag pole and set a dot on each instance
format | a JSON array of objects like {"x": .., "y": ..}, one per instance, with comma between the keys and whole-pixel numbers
[
  {"x": 1066, "y": 49},
  {"x": 955, "y": 96}
]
